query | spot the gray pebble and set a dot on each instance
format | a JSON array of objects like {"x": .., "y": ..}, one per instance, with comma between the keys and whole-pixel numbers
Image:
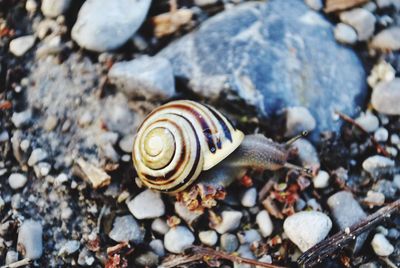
[
  {"x": 381, "y": 134},
  {"x": 298, "y": 119},
  {"x": 229, "y": 242},
  {"x": 230, "y": 221},
  {"x": 208, "y": 238},
  {"x": 244, "y": 251},
  {"x": 387, "y": 39},
  {"x": 321, "y": 180},
  {"x": 345, "y": 34},
  {"x": 249, "y": 236},
  {"x": 16, "y": 201},
  {"x": 386, "y": 97},
  {"x": 381, "y": 245},
  {"x": 11, "y": 256},
  {"x": 147, "y": 259},
  {"x": 30, "y": 239},
  {"x": 126, "y": 143},
  {"x": 105, "y": 25},
  {"x": 386, "y": 187},
  {"x": 147, "y": 77},
  {"x": 377, "y": 164},
  {"x": 360, "y": 19},
  {"x": 147, "y": 205},
  {"x": 189, "y": 216},
  {"x": 85, "y": 257},
  {"x": 21, "y": 119},
  {"x": 307, "y": 228},
  {"x": 160, "y": 226},
  {"x": 19, "y": 46},
  {"x": 158, "y": 247},
  {"x": 36, "y": 156},
  {"x": 178, "y": 239},
  {"x": 264, "y": 223},
  {"x": 69, "y": 247},
  {"x": 249, "y": 197},
  {"x": 368, "y": 121},
  {"x": 54, "y": 8},
  {"x": 17, "y": 180},
  {"x": 307, "y": 154},
  {"x": 126, "y": 228}
]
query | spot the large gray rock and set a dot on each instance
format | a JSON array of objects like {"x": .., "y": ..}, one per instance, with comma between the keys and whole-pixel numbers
[{"x": 273, "y": 55}]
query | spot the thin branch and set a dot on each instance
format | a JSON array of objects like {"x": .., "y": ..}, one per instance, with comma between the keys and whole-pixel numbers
[
  {"x": 329, "y": 246},
  {"x": 176, "y": 260},
  {"x": 348, "y": 119},
  {"x": 17, "y": 264}
]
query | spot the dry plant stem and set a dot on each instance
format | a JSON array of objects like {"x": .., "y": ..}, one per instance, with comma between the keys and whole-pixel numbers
[
  {"x": 336, "y": 5},
  {"x": 17, "y": 264},
  {"x": 329, "y": 246},
  {"x": 379, "y": 148}
]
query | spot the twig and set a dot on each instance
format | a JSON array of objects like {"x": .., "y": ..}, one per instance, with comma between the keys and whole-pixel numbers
[
  {"x": 379, "y": 148},
  {"x": 17, "y": 264},
  {"x": 177, "y": 260},
  {"x": 330, "y": 245}
]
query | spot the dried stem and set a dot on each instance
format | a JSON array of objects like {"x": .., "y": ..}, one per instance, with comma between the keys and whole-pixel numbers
[
  {"x": 200, "y": 253},
  {"x": 17, "y": 264},
  {"x": 379, "y": 148},
  {"x": 329, "y": 246}
]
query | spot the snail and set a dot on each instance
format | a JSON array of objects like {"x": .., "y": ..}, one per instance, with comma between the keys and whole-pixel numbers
[{"x": 182, "y": 139}]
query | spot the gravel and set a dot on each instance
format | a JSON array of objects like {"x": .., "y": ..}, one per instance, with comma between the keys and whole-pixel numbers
[
  {"x": 381, "y": 134},
  {"x": 298, "y": 119},
  {"x": 229, "y": 242},
  {"x": 249, "y": 198},
  {"x": 208, "y": 238},
  {"x": 321, "y": 180},
  {"x": 264, "y": 223},
  {"x": 30, "y": 243},
  {"x": 54, "y": 8},
  {"x": 361, "y": 20},
  {"x": 147, "y": 205},
  {"x": 17, "y": 180},
  {"x": 386, "y": 96},
  {"x": 160, "y": 226},
  {"x": 36, "y": 156},
  {"x": 345, "y": 34},
  {"x": 19, "y": 46},
  {"x": 387, "y": 39},
  {"x": 126, "y": 228},
  {"x": 230, "y": 221},
  {"x": 249, "y": 236},
  {"x": 368, "y": 121},
  {"x": 157, "y": 246},
  {"x": 178, "y": 239},
  {"x": 69, "y": 247},
  {"x": 376, "y": 164},
  {"x": 381, "y": 245},
  {"x": 11, "y": 256},
  {"x": 307, "y": 228}
]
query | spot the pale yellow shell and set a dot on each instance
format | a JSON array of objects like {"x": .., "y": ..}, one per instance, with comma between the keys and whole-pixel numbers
[{"x": 180, "y": 139}]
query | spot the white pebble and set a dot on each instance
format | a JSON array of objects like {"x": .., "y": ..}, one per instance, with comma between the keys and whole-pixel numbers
[
  {"x": 394, "y": 139},
  {"x": 298, "y": 119},
  {"x": 345, "y": 34},
  {"x": 158, "y": 247},
  {"x": 314, "y": 4},
  {"x": 396, "y": 181},
  {"x": 17, "y": 180},
  {"x": 11, "y": 256},
  {"x": 230, "y": 221},
  {"x": 37, "y": 155},
  {"x": 381, "y": 134},
  {"x": 19, "y": 46},
  {"x": 381, "y": 245},
  {"x": 208, "y": 238},
  {"x": 321, "y": 180},
  {"x": 264, "y": 223},
  {"x": 377, "y": 162},
  {"x": 368, "y": 121},
  {"x": 22, "y": 118},
  {"x": 249, "y": 198},
  {"x": 160, "y": 226},
  {"x": 178, "y": 239},
  {"x": 375, "y": 198},
  {"x": 54, "y": 8},
  {"x": 30, "y": 242},
  {"x": 360, "y": 19},
  {"x": 147, "y": 205}
]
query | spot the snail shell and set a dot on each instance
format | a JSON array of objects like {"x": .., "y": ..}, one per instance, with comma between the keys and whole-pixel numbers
[{"x": 180, "y": 139}]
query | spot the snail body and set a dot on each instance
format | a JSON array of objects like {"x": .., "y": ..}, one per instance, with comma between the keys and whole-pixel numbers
[{"x": 179, "y": 140}]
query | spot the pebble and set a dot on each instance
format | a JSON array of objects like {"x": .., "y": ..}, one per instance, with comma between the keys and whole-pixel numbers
[
  {"x": 307, "y": 154},
  {"x": 315, "y": 4},
  {"x": 160, "y": 226},
  {"x": 249, "y": 197},
  {"x": 147, "y": 205},
  {"x": 307, "y": 228},
  {"x": 368, "y": 121},
  {"x": 377, "y": 163},
  {"x": 36, "y": 156},
  {"x": 85, "y": 257},
  {"x": 17, "y": 180},
  {"x": 346, "y": 211},
  {"x": 69, "y": 247},
  {"x": 361, "y": 20},
  {"x": 30, "y": 243},
  {"x": 386, "y": 187},
  {"x": 19, "y": 46},
  {"x": 2, "y": 203},
  {"x": 126, "y": 228},
  {"x": 126, "y": 143},
  {"x": 11, "y": 256},
  {"x": 264, "y": 223},
  {"x": 387, "y": 39},
  {"x": 249, "y": 236},
  {"x": 21, "y": 119},
  {"x": 189, "y": 216},
  {"x": 147, "y": 259},
  {"x": 16, "y": 201},
  {"x": 230, "y": 221},
  {"x": 345, "y": 34},
  {"x": 396, "y": 181},
  {"x": 381, "y": 245},
  {"x": 381, "y": 72},
  {"x": 106, "y": 25},
  {"x": 321, "y": 180},
  {"x": 374, "y": 198},
  {"x": 96, "y": 176},
  {"x": 386, "y": 97},
  {"x": 149, "y": 77},
  {"x": 31, "y": 6},
  {"x": 298, "y": 119},
  {"x": 229, "y": 242},
  {"x": 178, "y": 239},
  {"x": 208, "y": 238},
  {"x": 157, "y": 246},
  {"x": 381, "y": 134},
  {"x": 54, "y": 8},
  {"x": 24, "y": 145}
]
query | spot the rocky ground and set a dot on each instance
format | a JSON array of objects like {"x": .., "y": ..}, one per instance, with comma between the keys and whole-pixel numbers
[{"x": 78, "y": 77}]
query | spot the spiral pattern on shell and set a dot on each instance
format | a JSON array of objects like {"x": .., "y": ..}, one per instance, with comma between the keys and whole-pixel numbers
[{"x": 180, "y": 139}]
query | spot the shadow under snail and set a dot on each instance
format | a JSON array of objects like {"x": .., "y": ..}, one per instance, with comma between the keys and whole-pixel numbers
[{"x": 181, "y": 139}]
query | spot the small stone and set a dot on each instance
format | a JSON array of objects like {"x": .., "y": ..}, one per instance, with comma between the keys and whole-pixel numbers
[
  {"x": 4, "y": 136},
  {"x": 249, "y": 236},
  {"x": 147, "y": 77},
  {"x": 347, "y": 211},
  {"x": 368, "y": 121},
  {"x": 16, "y": 201},
  {"x": 96, "y": 176},
  {"x": 17, "y": 180},
  {"x": 229, "y": 242},
  {"x": 2, "y": 203},
  {"x": 360, "y": 19},
  {"x": 321, "y": 180},
  {"x": 307, "y": 154},
  {"x": 158, "y": 247},
  {"x": 42, "y": 169},
  {"x": 244, "y": 251},
  {"x": 19, "y": 46},
  {"x": 387, "y": 40},
  {"x": 24, "y": 145},
  {"x": 106, "y": 25},
  {"x": 208, "y": 238},
  {"x": 189, "y": 216},
  {"x": 85, "y": 257},
  {"x": 85, "y": 119},
  {"x": 249, "y": 198},
  {"x": 70, "y": 247},
  {"x": 30, "y": 243},
  {"x": 345, "y": 34},
  {"x": 381, "y": 245},
  {"x": 264, "y": 223},
  {"x": 126, "y": 228},
  {"x": 31, "y": 6},
  {"x": 396, "y": 181},
  {"x": 126, "y": 143},
  {"x": 230, "y": 221},
  {"x": 381, "y": 72},
  {"x": 11, "y": 256},
  {"x": 37, "y": 155},
  {"x": 381, "y": 134},
  {"x": 54, "y": 8},
  {"x": 160, "y": 226},
  {"x": 50, "y": 123},
  {"x": 376, "y": 164},
  {"x": 147, "y": 259},
  {"x": 386, "y": 187},
  {"x": 314, "y": 4},
  {"x": 147, "y": 205},
  {"x": 374, "y": 199},
  {"x": 386, "y": 97},
  {"x": 298, "y": 119},
  {"x": 21, "y": 119},
  {"x": 178, "y": 239}
]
